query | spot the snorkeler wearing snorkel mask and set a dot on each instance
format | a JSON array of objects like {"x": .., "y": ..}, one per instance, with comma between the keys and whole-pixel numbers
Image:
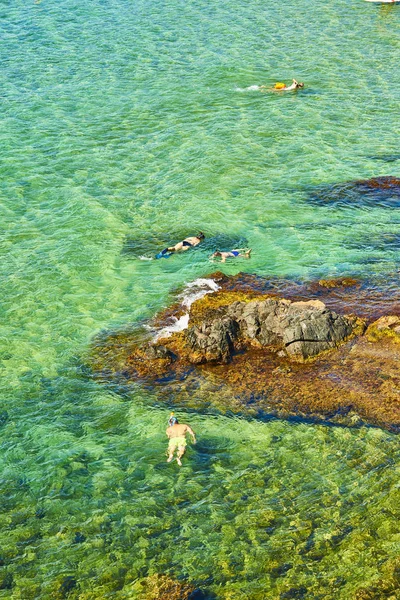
[
  {"x": 176, "y": 433},
  {"x": 189, "y": 242}
]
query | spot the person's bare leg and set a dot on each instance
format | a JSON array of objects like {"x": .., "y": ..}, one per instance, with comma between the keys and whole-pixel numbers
[
  {"x": 247, "y": 254},
  {"x": 170, "y": 455},
  {"x": 181, "y": 452}
]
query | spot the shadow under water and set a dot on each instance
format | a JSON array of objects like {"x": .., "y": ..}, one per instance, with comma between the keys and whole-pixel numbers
[{"x": 385, "y": 157}]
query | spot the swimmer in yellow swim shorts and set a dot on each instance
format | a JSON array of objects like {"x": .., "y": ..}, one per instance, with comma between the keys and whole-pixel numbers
[
  {"x": 176, "y": 433},
  {"x": 282, "y": 87}
]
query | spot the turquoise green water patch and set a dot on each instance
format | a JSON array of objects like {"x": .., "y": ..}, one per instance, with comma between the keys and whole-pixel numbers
[{"x": 144, "y": 121}]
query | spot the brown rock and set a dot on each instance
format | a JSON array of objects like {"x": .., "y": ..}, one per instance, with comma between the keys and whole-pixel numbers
[{"x": 150, "y": 360}]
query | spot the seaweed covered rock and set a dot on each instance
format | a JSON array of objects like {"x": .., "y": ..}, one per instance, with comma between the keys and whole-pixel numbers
[
  {"x": 162, "y": 587},
  {"x": 150, "y": 359},
  {"x": 385, "y": 327},
  {"x": 218, "y": 328},
  {"x": 261, "y": 354}
]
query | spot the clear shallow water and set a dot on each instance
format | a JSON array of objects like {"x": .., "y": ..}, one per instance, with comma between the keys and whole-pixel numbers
[{"x": 124, "y": 120}]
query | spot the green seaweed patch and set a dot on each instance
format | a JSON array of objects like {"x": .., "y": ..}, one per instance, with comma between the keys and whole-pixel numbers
[
  {"x": 386, "y": 587},
  {"x": 212, "y": 302},
  {"x": 339, "y": 282}
]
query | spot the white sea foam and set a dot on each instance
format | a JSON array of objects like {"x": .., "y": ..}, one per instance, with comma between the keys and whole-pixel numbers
[
  {"x": 145, "y": 258},
  {"x": 193, "y": 291},
  {"x": 177, "y": 325},
  {"x": 251, "y": 88}
]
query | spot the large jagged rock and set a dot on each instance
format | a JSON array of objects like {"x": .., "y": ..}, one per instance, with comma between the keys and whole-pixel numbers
[
  {"x": 224, "y": 323},
  {"x": 301, "y": 329},
  {"x": 297, "y": 329},
  {"x": 212, "y": 341}
]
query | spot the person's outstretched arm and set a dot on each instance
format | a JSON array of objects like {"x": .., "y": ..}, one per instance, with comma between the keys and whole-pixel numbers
[{"x": 190, "y": 430}]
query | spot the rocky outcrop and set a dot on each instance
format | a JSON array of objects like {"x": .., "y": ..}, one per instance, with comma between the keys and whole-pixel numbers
[
  {"x": 213, "y": 340},
  {"x": 261, "y": 354},
  {"x": 299, "y": 330}
]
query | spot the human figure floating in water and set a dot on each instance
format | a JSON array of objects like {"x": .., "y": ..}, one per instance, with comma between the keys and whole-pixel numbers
[
  {"x": 176, "y": 433},
  {"x": 231, "y": 254},
  {"x": 189, "y": 242},
  {"x": 282, "y": 87}
]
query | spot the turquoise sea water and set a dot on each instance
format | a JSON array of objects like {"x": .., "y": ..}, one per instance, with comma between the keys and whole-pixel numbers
[{"x": 128, "y": 124}]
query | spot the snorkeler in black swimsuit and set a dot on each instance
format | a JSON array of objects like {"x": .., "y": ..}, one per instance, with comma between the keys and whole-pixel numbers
[{"x": 185, "y": 244}]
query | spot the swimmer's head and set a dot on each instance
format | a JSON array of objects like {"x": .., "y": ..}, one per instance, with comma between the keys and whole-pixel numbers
[
  {"x": 172, "y": 420},
  {"x": 217, "y": 253},
  {"x": 301, "y": 85},
  {"x": 200, "y": 235}
]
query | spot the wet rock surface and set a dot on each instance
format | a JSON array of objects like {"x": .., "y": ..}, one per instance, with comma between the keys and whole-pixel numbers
[
  {"x": 212, "y": 340},
  {"x": 259, "y": 354},
  {"x": 299, "y": 329}
]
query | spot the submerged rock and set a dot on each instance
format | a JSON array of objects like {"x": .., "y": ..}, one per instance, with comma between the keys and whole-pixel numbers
[
  {"x": 385, "y": 157},
  {"x": 162, "y": 587},
  {"x": 377, "y": 191}
]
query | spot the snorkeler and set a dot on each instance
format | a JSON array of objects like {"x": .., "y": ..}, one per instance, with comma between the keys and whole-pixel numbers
[
  {"x": 189, "y": 242},
  {"x": 231, "y": 254},
  {"x": 176, "y": 433},
  {"x": 282, "y": 87}
]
